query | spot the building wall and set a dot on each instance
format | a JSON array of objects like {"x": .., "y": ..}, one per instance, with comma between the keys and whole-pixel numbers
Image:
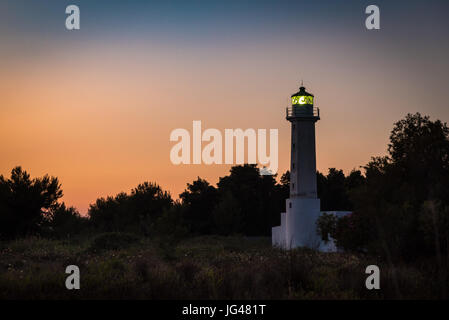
[
  {"x": 298, "y": 227},
  {"x": 301, "y": 217}
]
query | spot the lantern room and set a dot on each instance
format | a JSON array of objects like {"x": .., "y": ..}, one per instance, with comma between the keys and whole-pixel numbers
[
  {"x": 302, "y": 106},
  {"x": 302, "y": 97}
]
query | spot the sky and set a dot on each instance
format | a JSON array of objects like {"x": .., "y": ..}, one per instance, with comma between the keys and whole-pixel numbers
[{"x": 95, "y": 106}]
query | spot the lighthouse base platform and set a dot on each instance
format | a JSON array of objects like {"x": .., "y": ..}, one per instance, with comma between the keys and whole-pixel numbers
[{"x": 298, "y": 226}]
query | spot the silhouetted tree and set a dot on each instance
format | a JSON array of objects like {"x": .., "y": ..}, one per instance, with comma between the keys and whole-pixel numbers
[
  {"x": 148, "y": 201},
  {"x": 131, "y": 213},
  {"x": 24, "y": 202},
  {"x": 111, "y": 214},
  {"x": 257, "y": 196},
  {"x": 244, "y": 201},
  {"x": 199, "y": 200},
  {"x": 227, "y": 215},
  {"x": 393, "y": 203},
  {"x": 64, "y": 222},
  {"x": 354, "y": 180},
  {"x": 284, "y": 192},
  {"x": 171, "y": 224},
  {"x": 334, "y": 190}
]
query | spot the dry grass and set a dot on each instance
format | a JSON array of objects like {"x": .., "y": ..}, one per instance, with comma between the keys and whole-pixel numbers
[{"x": 198, "y": 268}]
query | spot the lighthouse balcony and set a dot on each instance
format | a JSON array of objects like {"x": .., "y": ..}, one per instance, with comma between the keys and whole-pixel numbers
[{"x": 303, "y": 112}]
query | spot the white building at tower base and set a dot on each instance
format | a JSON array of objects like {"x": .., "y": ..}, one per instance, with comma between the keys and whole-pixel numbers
[{"x": 298, "y": 226}]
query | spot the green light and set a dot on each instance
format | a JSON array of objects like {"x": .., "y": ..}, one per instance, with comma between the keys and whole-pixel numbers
[{"x": 301, "y": 100}]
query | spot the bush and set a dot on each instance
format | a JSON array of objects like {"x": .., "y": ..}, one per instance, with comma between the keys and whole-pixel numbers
[
  {"x": 113, "y": 241},
  {"x": 326, "y": 225},
  {"x": 170, "y": 224}
]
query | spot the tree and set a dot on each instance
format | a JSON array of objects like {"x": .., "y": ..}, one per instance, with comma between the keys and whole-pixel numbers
[
  {"x": 111, "y": 214},
  {"x": 244, "y": 201},
  {"x": 334, "y": 190},
  {"x": 64, "y": 222},
  {"x": 130, "y": 213},
  {"x": 227, "y": 216},
  {"x": 171, "y": 226},
  {"x": 258, "y": 196},
  {"x": 149, "y": 200},
  {"x": 24, "y": 202},
  {"x": 199, "y": 200},
  {"x": 284, "y": 192},
  {"x": 390, "y": 207}
]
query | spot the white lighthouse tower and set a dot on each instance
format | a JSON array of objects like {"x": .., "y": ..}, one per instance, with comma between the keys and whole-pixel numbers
[{"x": 298, "y": 223}]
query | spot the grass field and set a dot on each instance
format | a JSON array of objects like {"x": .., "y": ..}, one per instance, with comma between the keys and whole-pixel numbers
[{"x": 210, "y": 267}]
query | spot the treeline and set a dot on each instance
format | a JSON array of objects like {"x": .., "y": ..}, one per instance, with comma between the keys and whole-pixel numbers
[
  {"x": 243, "y": 202},
  {"x": 400, "y": 203}
]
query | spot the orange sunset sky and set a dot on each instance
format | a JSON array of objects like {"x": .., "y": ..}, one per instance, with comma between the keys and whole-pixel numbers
[{"x": 95, "y": 107}]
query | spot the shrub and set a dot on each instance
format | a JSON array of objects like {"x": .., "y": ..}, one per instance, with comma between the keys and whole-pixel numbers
[
  {"x": 113, "y": 241},
  {"x": 326, "y": 225}
]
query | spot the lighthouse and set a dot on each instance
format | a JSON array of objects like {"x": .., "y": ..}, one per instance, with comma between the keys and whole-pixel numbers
[{"x": 298, "y": 223}]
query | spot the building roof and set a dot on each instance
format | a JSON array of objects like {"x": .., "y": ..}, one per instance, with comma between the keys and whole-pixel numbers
[{"x": 302, "y": 92}]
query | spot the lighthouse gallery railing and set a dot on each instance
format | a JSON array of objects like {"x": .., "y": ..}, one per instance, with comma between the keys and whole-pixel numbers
[{"x": 303, "y": 112}]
